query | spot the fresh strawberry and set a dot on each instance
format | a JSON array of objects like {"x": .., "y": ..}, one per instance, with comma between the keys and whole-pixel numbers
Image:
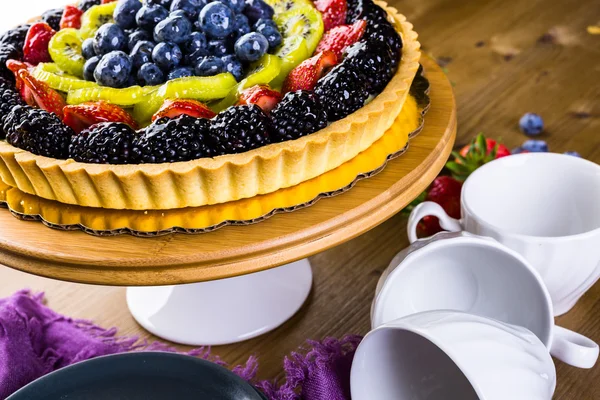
[
  {"x": 340, "y": 37},
  {"x": 82, "y": 116},
  {"x": 306, "y": 75},
  {"x": 473, "y": 156},
  {"x": 333, "y": 12},
  {"x": 176, "y": 107},
  {"x": 71, "y": 17},
  {"x": 261, "y": 95},
  {"x": 45, "y": 97},
  {"x": 108, "y": 1},
  {"x": 15, "y": 66},
  {"x": 445, "y": 191},
  {"x": 35, "y": 50}
]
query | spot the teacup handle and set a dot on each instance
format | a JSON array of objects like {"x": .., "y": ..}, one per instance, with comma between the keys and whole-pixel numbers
[
  {"x": 430, "y": 208},
  {"x": 573, "y": 348}
]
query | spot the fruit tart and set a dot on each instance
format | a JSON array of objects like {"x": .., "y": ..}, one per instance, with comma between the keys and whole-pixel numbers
[{"x": 162, "y": 104}]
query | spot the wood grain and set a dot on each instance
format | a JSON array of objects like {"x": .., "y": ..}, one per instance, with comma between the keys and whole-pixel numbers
[{"x": 500, "y": 69}]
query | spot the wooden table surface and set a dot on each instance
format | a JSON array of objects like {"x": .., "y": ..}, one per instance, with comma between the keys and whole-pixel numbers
[{"x": 505, "y": 57}]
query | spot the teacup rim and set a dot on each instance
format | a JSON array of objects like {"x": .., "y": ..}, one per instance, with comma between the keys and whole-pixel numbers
[{"x": 521, "y": 236}]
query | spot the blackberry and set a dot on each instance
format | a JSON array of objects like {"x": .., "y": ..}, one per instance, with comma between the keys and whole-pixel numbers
[
  {"x": 365, "y": 9},
  {"x": 297, "y": 114},
  {"x": 38, "y": 131},
  {"x": 372, "y": 60},
  {"x": 9, "y": 97},
  {"x": 384, "y": 32},
  {"x": 171, "y": 140},
  {"x": 85, "y": 5},
  {"x": 53, "y": 17},
  {"x": 239, "y": 129},
  {"x": 342, "y": 91},
  {"x": 16, "y": 36},
  {"x": 7, "y": 52},
  {"x": 104, "y": 143}
]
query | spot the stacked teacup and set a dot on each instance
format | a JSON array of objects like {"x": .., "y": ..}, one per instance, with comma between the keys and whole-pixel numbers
[{"x": 470, "y": 314}]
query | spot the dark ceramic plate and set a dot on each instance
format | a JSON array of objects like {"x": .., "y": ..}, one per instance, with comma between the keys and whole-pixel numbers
[{"x": 140, "y": 376}]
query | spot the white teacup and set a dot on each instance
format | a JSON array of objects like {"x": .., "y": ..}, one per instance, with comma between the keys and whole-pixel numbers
[
  {"x": 464, "y": 272},
  {"x": 545, "y": 206},
  {"x": 443, "y": 355}
]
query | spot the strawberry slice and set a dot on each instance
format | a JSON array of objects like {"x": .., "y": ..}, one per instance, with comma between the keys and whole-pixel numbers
[
  {"x": 306, "y": 75},
  {"x": 71, "y": 17},
  {"x": 340, "y": 37},
  {"x": 333, "y": 12},
  {"x": 35, "y": 50},
  {"x": 261, "y": 95},
  {"x": 176, "y": 107},
  {"x": 45, "y": 97},
  {"x": 84, "y": 115},
  {"x": 15, "y": 66},
  {"x": 108, "y": 1}
]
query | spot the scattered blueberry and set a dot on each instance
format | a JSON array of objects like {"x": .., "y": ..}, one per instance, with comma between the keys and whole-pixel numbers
[
  {"x": 191, "y": 7},
  {"x": 242, "y": 26},
  {"x": 518, "y": 150},
  {"x": 137, "y": 36},
  {"x": 150, "y": 15},
  {"x": 89, "y": 68},
  {"x": 167, "y": 55},
  {"x": 173, "y": 29},
  {"x": 573, "y": 153},
  {"x": 109, "y": 37},
  {"x": 219, "y": 47},
  {"x": 150, "y": 74},
  {"x": 142, "y": 53},
  {"x": 125, "y": 12},
  {"x": 236, "y": 5},
  {"x": 217, "y": 20},
  {"x": 535, "y": 146},
  {"x": 234, "y": 66},
  {"x": 257, "y": 9},
  {"x": 209, "y": 66},
  {"x": 531, "y": 124},
  {"x": 87, "y": 48},
  {"x": 196, "y": 41},
  {"x": 270, "y": 31},
  {"x": 251, "y": 47},
  {"x": 113, "y": 69},
  {"x": 181, "y": 72}
]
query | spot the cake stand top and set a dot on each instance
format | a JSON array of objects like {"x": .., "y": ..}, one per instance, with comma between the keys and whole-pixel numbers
[{"x": 237, "y": 250}]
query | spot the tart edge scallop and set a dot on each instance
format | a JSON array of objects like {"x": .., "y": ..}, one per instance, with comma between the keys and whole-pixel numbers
[{"x": 221, "y": 179}]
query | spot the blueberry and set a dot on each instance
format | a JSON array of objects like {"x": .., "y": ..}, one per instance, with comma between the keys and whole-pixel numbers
[
  {"x": 251, "y": 47},
  {"x": 113, "y": 69},
  {"x": 196, "y": 41},
  {"x": 535, "y": 146},
  {"x": 142, "y": 53},
  {"x": 236, "y": 5},
  {"x": 164, "y": 3},
  {"x": 234, "y": 66},
  {"x": 110, "y": 37},
  {"x": 573, "y": 153},
  {"x": 178, "y": 13},
  {"x": 87, "y": 48},
  {"x": 219, "y": 47},
  {"x": 209, "y": 66},
  {"x": 217, "y": 20},
  {"x": 269, "y": 31},
  {"x": 181, "y": 72},
  {"x": 167, "y": 55},
  {"x": 173, "y": 29},
  {"x": 193, "y": 58},
  {"x": 191, "y": 7},
  {"x": 150, "y": 74},
  {"x": 264, "y": 21},
  {"x": 90, "y": 67},
  {"x": 137, "y": 36},
  {"x": 150, "y": 15},
  {"x": 125, "y": 11},
  {"x": 257, "y": 9},
  {"x": 531, "y": 124},
  {"x": 242, "y": 26}
]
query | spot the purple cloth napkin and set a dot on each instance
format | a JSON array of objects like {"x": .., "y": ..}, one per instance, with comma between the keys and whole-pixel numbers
[{"x": 34, "y": 340}]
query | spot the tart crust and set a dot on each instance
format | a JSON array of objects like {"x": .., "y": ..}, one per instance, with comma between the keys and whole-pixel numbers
[{"x": 224, "y": 178}]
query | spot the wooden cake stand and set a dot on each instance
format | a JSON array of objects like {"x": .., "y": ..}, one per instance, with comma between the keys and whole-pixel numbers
[{"x": 241, "y": 294}]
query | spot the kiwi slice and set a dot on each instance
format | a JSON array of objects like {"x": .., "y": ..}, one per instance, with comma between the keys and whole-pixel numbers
[
  {"x": 292, "y": 52},
  {"x": 281, "y": 6},
  {"x": 303, "y": 21},
  {"x": 202, "y": 88},
  {"x": 95, "y": 17},
  {"x": 57, "y": 79},
  {"x": 65, "y": 51},
  {"x": 122, "y": 97}
]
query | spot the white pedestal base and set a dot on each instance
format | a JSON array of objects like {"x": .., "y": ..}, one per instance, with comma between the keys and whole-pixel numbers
[{"x": 223, "y": 311}]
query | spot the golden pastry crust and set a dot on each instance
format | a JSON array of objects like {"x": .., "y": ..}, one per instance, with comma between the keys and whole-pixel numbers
[{"x": 224, "y": 178}]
